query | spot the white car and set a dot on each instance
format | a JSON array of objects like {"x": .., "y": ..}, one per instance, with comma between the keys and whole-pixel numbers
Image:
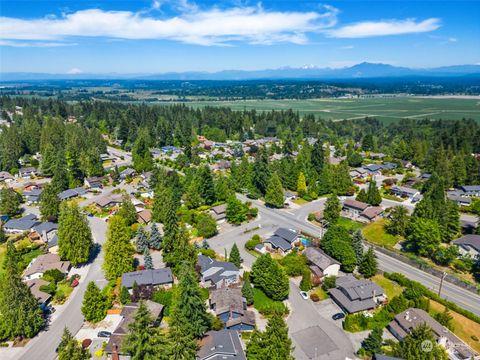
[{"x": 304, "y": 295}]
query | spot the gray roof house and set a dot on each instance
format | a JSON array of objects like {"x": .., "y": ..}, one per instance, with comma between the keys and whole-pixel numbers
[
  {"x": 471, "y": 190},
  {"x": 33, "y": 196},
  {"x": 459, "y": 198},
  {"x": 20, "y": 225},
  {"x": 221, "y": 345},
  {"x": 94, "y": 182},
  {"x": 409, "y": 319},
  {"x": 155, "y": 277},
  {"x": 320, "y": 263},
  {"x": 230, "y": 306},
  {"x": 219, "y": 212},
  {"x": 373, "y": 168},
  {"x": 404, "y": 191},
  {"x": 282, "y": 240},
  {"x": 44, "y": 231},
  {"x": 217, "y": 273},
  {"x": 41, "y": 296},
  {"x": 109, "y": 200},
  {"x": 128, "y": 172},
  {"x": 354, "y": 295},
  {"x": 27, "y": 172},
  {"x": 468, "y": 244},
  {"x": 5, "y": 176},
  {"x": 71, "y": 193}
]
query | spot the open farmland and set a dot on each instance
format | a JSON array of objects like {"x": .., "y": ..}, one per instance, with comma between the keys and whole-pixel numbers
[{"x": 386, "y": 109}]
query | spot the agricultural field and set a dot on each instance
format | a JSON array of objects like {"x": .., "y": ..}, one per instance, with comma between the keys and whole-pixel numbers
[{"x": 385, "y": 109}]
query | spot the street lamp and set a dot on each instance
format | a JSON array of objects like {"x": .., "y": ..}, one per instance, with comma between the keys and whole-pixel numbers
[{"x": 441, "y": 282}]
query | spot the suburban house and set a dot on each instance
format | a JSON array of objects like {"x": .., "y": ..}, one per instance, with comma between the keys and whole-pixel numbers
[
  {"x": 144, "y": 216},
  {"x": 27, "y": 172},
  {"x": 404, "y": 192},
  {"x": 459, "y": 198},
  {"x": 127, "y": 173},
  {"x": 471, "y": 190},
  {"x": 158, "y": 278},
  {"x": 94, "y": 182},
  {"x": 353, "y": 208},
  {"x": 32, "y": 196},
  {"x": 359, "y": 173},
  {"x": 372, "y": 213},
  {"x": 373, "y": 168},
  {"x": 219, "y": 212},
  {"x": 231, "y": 307},
  {"x": 282, "y": 241},
  {"x": 222, "y": 344},
  {"x": 409, "y": 319},
  {"x": 42, "y": 263},
  {"x": 114, "y": 345},
  {"x": 217, "y": 273},
  {"x": 320, "y": 263},
  {"x": 354, "y": 295},
  {"x": 41, "y": 296},
  {"x": 71, "y": 193},
  {"x": 20, "y": 225},
  {"x": 468, "y": 245},
  {"x": 109, "y": 201},
  {"x": 43, "y": 232},
  {"x": 6, "y": 176}
]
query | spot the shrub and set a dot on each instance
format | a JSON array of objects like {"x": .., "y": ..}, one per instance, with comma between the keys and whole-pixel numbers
[
  {"x": 314, "y": 297},
  {"x": 86, "y": 343},
  {"x": 254, "y": 241},
  {"x": 163, "y": 297},
  {"x": 267, "y": 306},
  {"x": 208, "y": 252},
  {"x": 49, "y": 288},
  {"x": 53, "y": 275},
  {"x": 294, "y": 264},
  {"x": 311, "y": 217},
  {"x": 474, "y": 337},
  {"x": 329, "y": 282}
]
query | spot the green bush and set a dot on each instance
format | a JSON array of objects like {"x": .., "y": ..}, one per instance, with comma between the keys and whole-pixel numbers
[
  {"x": 49, "y": 288},
  {"x": 208, "y": 252},
  {"x": 254, "y": 241},
  {"x": 53, "y": 275},
  {"x": 294, "y": 264},
  {"x": 164, "y": 297},
  {"x": 267, "y": 306},
  {"x": 329, "y": 282}
]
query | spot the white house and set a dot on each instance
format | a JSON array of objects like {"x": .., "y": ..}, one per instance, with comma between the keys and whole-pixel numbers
[
  {"x": 321, "y": 264},
  {"x": 468, "y": 245}
]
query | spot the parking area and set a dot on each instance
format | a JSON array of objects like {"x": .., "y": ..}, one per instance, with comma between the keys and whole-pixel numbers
[{"x": 315, "y": 343}]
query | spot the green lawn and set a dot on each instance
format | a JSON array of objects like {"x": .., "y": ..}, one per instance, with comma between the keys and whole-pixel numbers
[
  {"x": 391, "y": 288},
  {"x": 349, "y": 224},
  {"x": 375, "y": 233},
  {"x": 300, "y": 201},
  {"x": 265, "y": 305},
  {"x": 24, "y": 259}
]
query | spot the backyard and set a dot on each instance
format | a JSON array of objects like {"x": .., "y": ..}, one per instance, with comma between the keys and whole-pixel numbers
[{"x": 376, "y": 234}]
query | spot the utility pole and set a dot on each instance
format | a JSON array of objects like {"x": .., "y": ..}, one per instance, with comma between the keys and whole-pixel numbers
[{"x": 441, "y": 283}]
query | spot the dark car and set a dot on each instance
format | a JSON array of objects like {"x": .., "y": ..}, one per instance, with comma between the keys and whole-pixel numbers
[
  {"x": 338, "y": 316},
  {"x": 104, "y": 334}
]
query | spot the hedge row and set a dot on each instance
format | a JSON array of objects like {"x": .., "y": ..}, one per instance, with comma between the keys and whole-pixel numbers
[{"x": 404, "y": 281}]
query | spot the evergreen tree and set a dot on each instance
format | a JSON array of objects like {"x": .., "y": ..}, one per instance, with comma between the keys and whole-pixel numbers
[
  {"x": 325, "y": 180},
  {"x": 192, "y": 198},
  {"x": 49, "y": 204},
  {"x": 398, "y": 223},
  {"x": 247, "y": 292},
  {"x": 141, "y": 240},
  {"x": 9, "y": 202},
  {"x": 362, "y": 196},
  {"x": 71, "y": 349},
  {"x": 189, "y": 306},
  {"x": 261, "y": 173},
  {"x": 274, "y": 195},
  {"x": 373, "y": 342},
  {"x": 206, "y": 187},
  {"x": 185, "y": 344},
  {"x": 74, "y": 235},
  {"x": 301, "y": 184},
  {"x": 338, "y": 244},
  {"x": 206, "y": 225},
  {"x": 182, "y": 252},
  {"x": 222, "y": 189},
  {"x": 49, "y": 158},
  {"x": 20, "y": 315},
  {"x": 445, "y": 318},
  {"x": 342, "y": 183},
  {"x": 236, "y": 212},
  {"x": 3, "y": 236},
  {"x": 268, "y": 275},
  {"x": 127, "y": 211},
  {"x": 423, "y": 236},
  {"x": 373, "y": 195},
  {"x": 147, "y": 259},
  {"x": 119, "y": 251},
  {"x": 357, "y": 244},
  {"x": 170, "y": 226},
  {"x": 125, "y": 297},
  {"x": 411, "y": 347},
  {"x": 144, "y": 341},
  {"x": 60, "y": 176},
  {"x": 318, "y": 156},
  {"x": 161, "y": 198},
  {"x": 331, "y": 214},
  {"x": 368, "y": 266},
  {"x": 235, "y": 256},
  {"x": 306, "y": 282},
  {"x": 95, "y": 303},
  {"x": 155, "y": 238}
]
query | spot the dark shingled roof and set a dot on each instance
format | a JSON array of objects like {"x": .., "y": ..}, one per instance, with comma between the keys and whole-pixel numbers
[
  {"x": 223, "y": 344},
  {"x": 469, "y": 240},
  {"x": 148, "y": 277},
  {"x": 287, "y": 234},
  {"x": 279, "y": 242},
  {"x": 351, "y": 203}
]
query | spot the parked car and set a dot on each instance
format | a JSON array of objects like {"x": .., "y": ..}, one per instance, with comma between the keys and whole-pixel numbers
[
  {"x": 104, "y": 334},
  {"x": 304, "y": 295},
  {"x": 338, "y": 316}
]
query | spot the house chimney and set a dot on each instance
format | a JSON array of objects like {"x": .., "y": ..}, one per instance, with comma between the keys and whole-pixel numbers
[{"x": 115, "y": 355}]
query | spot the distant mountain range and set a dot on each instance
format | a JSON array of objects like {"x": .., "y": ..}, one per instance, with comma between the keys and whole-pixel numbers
[{"x": 363, "y": 70}]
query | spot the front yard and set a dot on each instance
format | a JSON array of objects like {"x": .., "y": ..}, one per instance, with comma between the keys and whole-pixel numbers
[
  {"x": 391, "y": 288},
  {"x": 350, "y": 224},
  {"x": 376, "y": 234}
]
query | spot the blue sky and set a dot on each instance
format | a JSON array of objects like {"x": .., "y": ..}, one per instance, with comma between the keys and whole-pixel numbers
[{"x": 181, "y": 35}]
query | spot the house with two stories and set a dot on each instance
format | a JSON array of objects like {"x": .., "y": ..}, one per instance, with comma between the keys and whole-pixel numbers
[
  {"x": 352, "y": 208},
  {"x": 320, "y": 263},
  {"x": 219, "y": 212},
  {"x": 230, "y": 306},
  {"x": 43, "y": 232},
  {"x": 157, "y": 278},
  {"x": 468, "y": 245},
  {"x": 282, "y": 241},
  {"x": 28, "y": 172},
  {"x": 215, "y": 274},
  {"x": 354, "y": 295},
  {"x": 403, "y": 324},
  {"x": 223, "y": 344}
]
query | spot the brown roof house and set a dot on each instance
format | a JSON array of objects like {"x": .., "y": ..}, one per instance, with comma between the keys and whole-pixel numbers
[
  {"x": 372, "y": 213},
  {"x": 354, "y": 295},
  {"x": 41, "y": 296},
  {"x": 321, "y": 264},
  {"x": 231, "y": 307},
  {"x": 114, "y": 344},
  {"x": 42, "y": 263},
  {"x": 219, "y": 212},
  {"x": 353, "y": 208},
  {"x": 409, "y": 319},
  {"x": 144, "y": 216}
]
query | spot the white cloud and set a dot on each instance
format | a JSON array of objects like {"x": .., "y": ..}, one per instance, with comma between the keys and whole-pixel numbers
[
  {"x": 25, "y": 44},
  {"x": 385, "y": 27},
  {"x": 74, "y": 71},
  {"x": 347, "y": 47},
  {"x": 214, "y": 26}
]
